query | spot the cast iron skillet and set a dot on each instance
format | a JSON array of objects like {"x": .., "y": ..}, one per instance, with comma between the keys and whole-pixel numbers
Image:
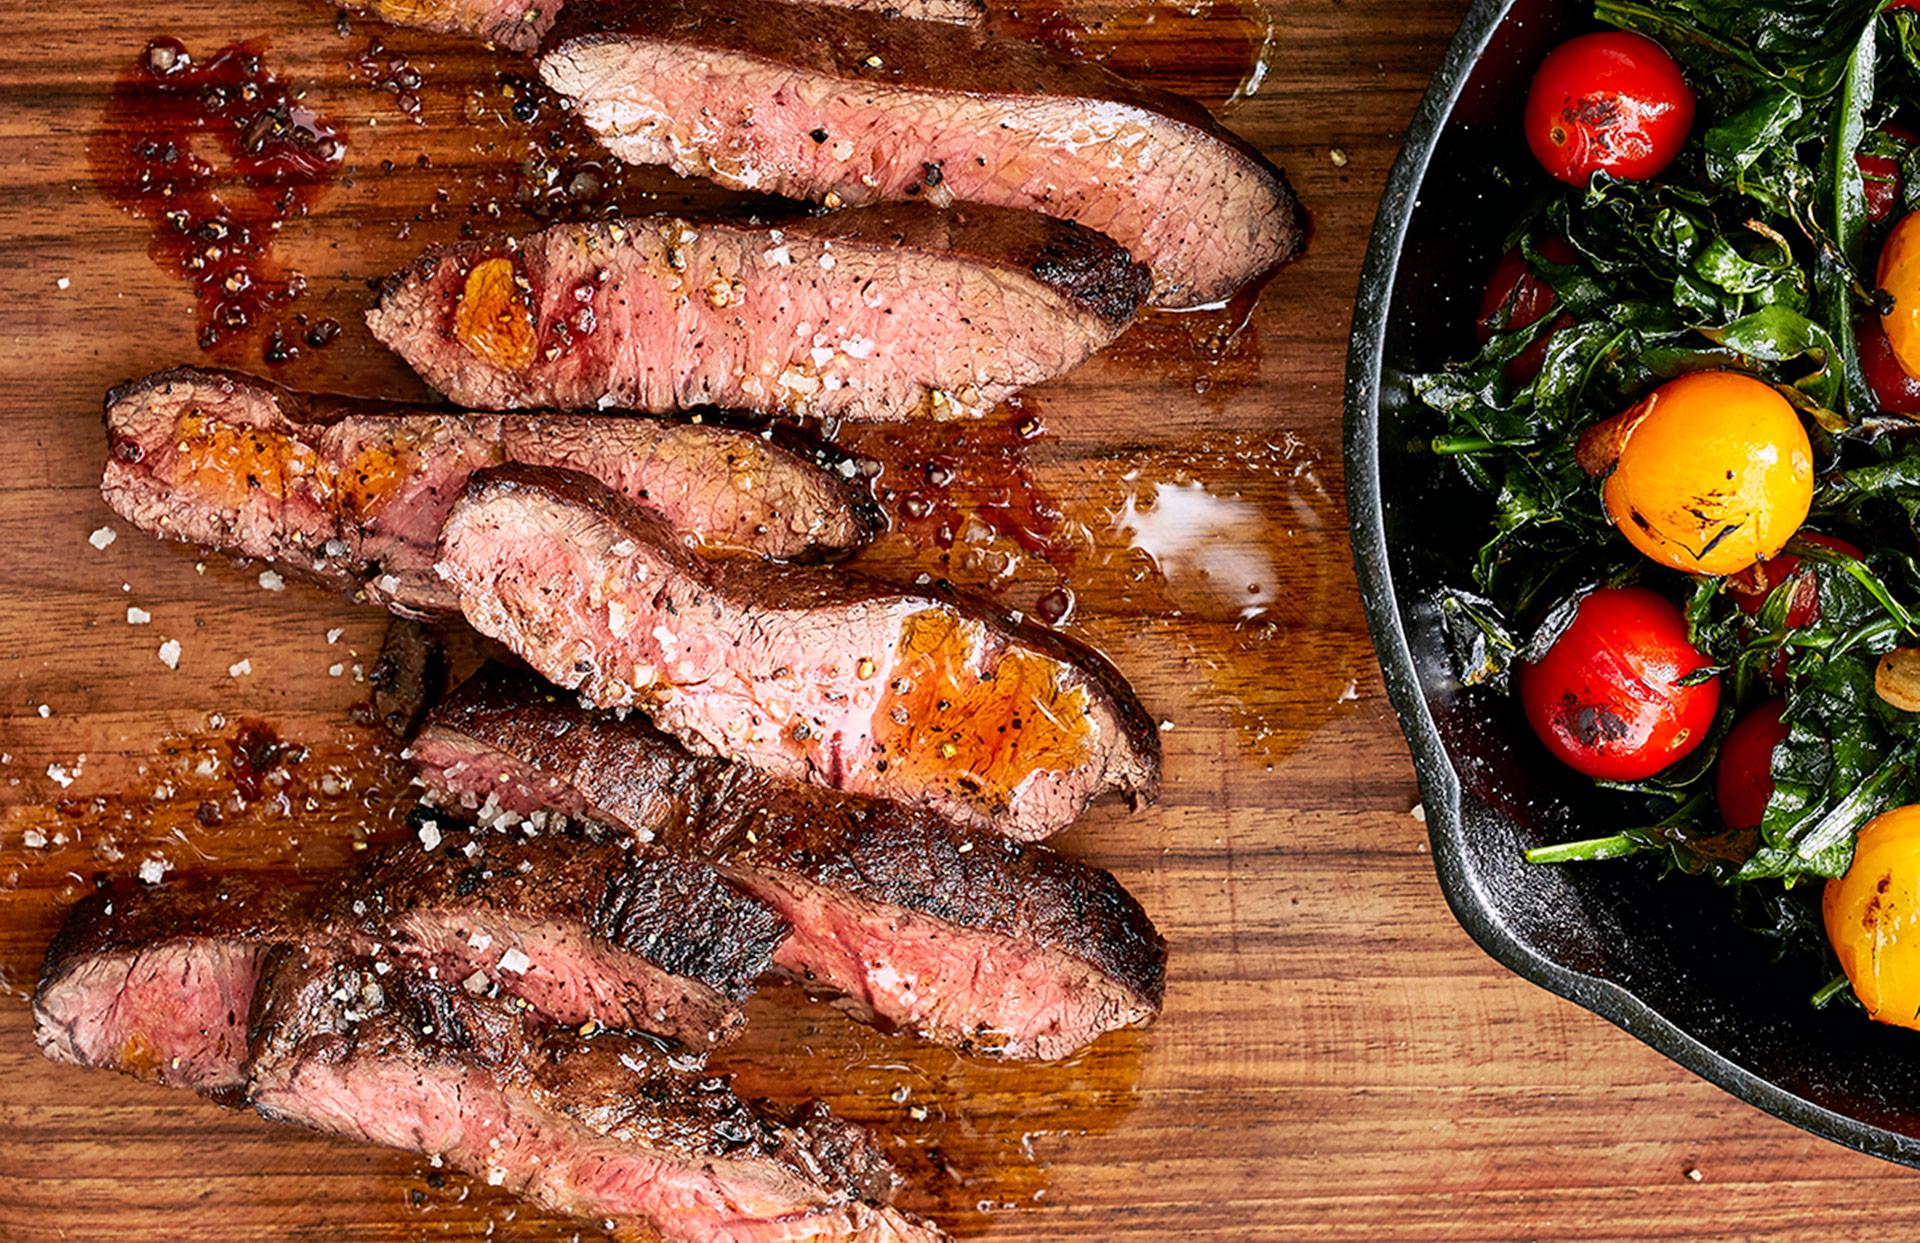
[{"x": 1659, "y": 958}]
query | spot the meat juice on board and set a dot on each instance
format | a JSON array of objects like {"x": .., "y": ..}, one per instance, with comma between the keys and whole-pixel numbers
[{"x": 214, "y": 220}]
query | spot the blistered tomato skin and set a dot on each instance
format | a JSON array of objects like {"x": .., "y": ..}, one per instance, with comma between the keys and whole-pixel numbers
[
  {"x": 1899, "y": 279},
  {"x": 1707, "y": 474},
  {"x": 1612, "y": 102},
  {"x": 1894, "y": 391},
  {"x": 1608, "y": 700},
  {"x": 1743, "y": 781},
  {"x": 1516, "y": 298},
  {"x": 1872, "y": 916}
]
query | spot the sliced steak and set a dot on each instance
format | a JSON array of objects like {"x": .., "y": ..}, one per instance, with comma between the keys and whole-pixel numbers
[
  {"x": 582, "y": 931},
  {"x": 820, "y": 676},
  {"x": 954, "y": 933},
  {"x": 608, "y": 1129},
  {"x": 156, "y": 980},
  {"x": 408, "y": 675},
  {"x": 878, "y": 313},
  {"x": 853, "y": 107},
  {"x": 354, "y": 492},
  {"x": 519, "y": 25}
]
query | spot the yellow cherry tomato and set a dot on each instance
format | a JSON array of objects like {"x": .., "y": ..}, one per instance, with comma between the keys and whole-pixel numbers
[
  {"x": 1900, "y": 277},
  {"x": 1708, "y": 474},
  {"x": 1873, "y": 917}
]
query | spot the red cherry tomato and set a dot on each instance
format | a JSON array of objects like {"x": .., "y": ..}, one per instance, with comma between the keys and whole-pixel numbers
[
  {"x": 1516, "y": 298},
  {"x": 1752, "y": 587},
  {"x": 1612, "y": 102},
  {"x": 1895, "y": 390},
  {"x": 1744, "y": 781},
  {"x": 1880, "y": 174},
  {"x": 1606, "y": 699}
]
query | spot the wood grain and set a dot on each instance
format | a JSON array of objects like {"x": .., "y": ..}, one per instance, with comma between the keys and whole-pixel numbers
[{"x": 1337, "y": 1061}]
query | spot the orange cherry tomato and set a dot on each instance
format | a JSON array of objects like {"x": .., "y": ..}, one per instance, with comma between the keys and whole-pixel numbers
[
  {"x": 1607, "y": 699},
  {"x": 1612, "y": 102},
  {"x": 1743, "y": 781},
  {"x": 1516, "y": 298},
  {"x": 1707, "y": 474},
  {"x": 1872, "y": 916},
  {"x": 1899, "y": 279}
]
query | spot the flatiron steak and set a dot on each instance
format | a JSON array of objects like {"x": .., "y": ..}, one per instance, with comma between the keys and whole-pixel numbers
[
  {"x": 582, "y": 931},
  {"x": 810, "y": 674},
  {"x": 853, "y": 107},
  {"x": 878, "y": 313},
  {"x": 605, "y": 1128},
  {"x": 156, "y": 981},
  {"x": 353, "y": 492},
  {"x": 905, "y": 919}
]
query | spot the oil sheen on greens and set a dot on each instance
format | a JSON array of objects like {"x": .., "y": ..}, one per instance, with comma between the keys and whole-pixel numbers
[{"x": 1752, "y": 251}]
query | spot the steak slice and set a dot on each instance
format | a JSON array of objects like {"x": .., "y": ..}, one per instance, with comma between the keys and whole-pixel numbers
[
  {"x": 582, "y": 931},
  {"x": 519, "y": 25},
  {"x": 854, "y": 107},
  {"x": 408, "y": 675},
  {"x": 954, "y": 933},
  {"x": 877, "y": 313},
  {"x": 608, "y": 1128},
  {"x": 156, "y": 980},
  {"x": 353, "y": 492},
  {"x": 820, "y": 676}
]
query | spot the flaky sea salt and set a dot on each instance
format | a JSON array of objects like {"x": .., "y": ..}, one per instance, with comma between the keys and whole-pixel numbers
[
  {"x": 240, "y": 668},
  {"x": 333, "y": 636},
  {"x": 271, "y": 581},
  {"x": 137, "y": 616},
  {"x": 514, "y": 961},
  {"x": 430, "y": 836},
  {"x": 102, "y": 537},
  {"x": 152, "y": 870},
  {"x": 170, "y": 653}
]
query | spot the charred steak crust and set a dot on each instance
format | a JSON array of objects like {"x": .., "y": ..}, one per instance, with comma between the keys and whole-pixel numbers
[
  {"x": 679, "y": 915},
  {"x": 1129, "y": 762},
  {"x": 689, "y": 314},
  {"x": 317, "y": 1011},
  {"x": 631, "y": 776},
  {"x": 156, "y": 981},
  {"x": 865, "y": 52},
  {"x": 351, "y": 492},
  {"x": 408, "y": 675}
]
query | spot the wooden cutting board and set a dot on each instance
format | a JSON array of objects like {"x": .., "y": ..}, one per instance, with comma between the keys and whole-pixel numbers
[{"x": 1336, "y": 1059}]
